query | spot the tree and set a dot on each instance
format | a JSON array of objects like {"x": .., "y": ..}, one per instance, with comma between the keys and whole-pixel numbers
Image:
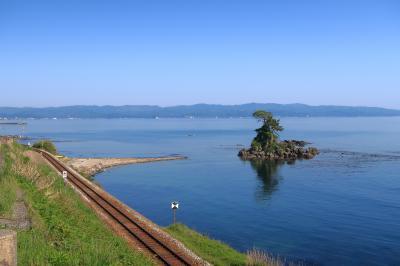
[
  {"x": 267, "y": 134},
  {"x": 46, "y": 145}
]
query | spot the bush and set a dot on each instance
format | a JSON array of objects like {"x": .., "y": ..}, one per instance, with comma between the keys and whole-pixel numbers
[
  {"x": 46, "y": 145},
  {"x": 257, "y": 257},
  {"x": 256, "y": 146}
]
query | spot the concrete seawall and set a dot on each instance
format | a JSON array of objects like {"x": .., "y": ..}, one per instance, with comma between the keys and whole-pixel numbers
[{"x": 8, "y": 248}]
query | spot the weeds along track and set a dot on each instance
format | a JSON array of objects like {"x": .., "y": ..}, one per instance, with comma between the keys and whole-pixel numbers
[{"x": 164, "y": 251}]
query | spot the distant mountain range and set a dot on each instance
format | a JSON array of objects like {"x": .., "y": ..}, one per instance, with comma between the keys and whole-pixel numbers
[{"x": 197, "y": 110}]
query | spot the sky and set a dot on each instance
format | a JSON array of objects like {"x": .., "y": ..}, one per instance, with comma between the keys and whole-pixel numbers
[{"x": 170, "y": 52}]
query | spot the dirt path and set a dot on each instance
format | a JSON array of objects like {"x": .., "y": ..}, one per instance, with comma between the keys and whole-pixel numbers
[
  {"x": 20, "y": 216},
  {"x": 20, "y": 212},
  {"x": 35, "y": 157}
]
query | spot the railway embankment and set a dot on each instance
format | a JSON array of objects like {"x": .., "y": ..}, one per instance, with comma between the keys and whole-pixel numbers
[
  {"x": 66, "y": 230},
  {"x": 63, "y": 229},
  {"x": 138, "y": 231}
]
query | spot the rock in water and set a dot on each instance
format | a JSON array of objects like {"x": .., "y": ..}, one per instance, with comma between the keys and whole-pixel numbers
[
  {"x": 288, "y": 150},
  {"x": 266, "y": 146}
]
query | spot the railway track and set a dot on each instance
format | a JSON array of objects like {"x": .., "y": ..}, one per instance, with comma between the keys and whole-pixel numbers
[{"x": 164, "y": 252}]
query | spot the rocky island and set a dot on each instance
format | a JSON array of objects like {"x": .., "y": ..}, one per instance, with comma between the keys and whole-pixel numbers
[{"x": 266, "y": 145}]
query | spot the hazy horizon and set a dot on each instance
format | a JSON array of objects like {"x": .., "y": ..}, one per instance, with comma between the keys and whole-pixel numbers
[{"x": 176, "y": 105}]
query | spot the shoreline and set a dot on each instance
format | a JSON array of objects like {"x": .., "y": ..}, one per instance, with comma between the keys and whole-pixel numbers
[
  {"x": 92, "y": 166},
  {"x": 42, "y": 186}
]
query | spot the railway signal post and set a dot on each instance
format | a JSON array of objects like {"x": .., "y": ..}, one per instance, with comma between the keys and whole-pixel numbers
[
  {"x": 174, "y": 207},
  {"x": 65, "y": 175}
]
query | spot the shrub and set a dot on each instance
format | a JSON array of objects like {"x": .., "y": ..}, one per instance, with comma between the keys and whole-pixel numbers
[
  {"x": 255, "y": 145},
  {"x": 46, "y": 145},
  {"x": 257, "y": 257}
]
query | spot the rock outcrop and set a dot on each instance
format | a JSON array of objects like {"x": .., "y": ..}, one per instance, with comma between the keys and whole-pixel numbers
[{"x": 288, "y": 150}]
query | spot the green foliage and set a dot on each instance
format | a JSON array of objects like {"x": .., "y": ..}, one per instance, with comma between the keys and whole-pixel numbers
[
  {"x": 7, "y": 195},
  {"x": 46, "y": 145},
  {"x": 255, "y": 145},
  {"x": 65, "y": 231},
  {"x": 267, "y": 134},
  {"x": 68, "y": 233},
  {"x": 7, "y": 183},
  {"x": 211, "y": 250}
]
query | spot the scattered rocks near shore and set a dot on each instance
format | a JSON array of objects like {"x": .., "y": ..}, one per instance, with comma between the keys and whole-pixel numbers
[{"x": 287, "y": 150}]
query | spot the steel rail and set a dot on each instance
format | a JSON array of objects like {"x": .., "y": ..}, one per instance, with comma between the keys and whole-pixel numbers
[{"x": 167, "y": 255}]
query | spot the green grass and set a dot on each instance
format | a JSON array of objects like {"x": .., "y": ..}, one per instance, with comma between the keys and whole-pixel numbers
[
  {"x": 8, "y": 185},
  {"x": 213, "y": 251},
  {"x": 7, "y": 195},
  {"x": 65, "y": 231}
]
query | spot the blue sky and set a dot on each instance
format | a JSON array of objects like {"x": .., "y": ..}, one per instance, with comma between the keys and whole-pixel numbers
[{"x": 55, "y": 53}]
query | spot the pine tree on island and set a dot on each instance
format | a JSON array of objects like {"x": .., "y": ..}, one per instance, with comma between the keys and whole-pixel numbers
[{"x": 266, "y": 144}]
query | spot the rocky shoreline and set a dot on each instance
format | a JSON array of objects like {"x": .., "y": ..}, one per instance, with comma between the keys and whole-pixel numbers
[{"x": 287, "y": 150}]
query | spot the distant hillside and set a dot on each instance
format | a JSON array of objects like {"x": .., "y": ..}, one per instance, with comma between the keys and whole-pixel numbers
[{"x": 198, "y": 110}]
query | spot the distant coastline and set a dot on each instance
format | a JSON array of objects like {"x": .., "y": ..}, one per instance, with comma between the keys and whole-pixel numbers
[
  {"x": 192, "y": 111},
  {"x": 13, "y": 123}
]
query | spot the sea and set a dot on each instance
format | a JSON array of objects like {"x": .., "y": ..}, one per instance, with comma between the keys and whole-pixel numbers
[{"x": 340, "y": 208}]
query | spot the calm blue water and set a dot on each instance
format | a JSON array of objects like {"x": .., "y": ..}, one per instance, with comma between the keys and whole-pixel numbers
[{"x": 341, "y": 208}]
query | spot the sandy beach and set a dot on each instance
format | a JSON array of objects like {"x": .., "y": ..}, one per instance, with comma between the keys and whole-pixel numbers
[{"x": 92, "y": 166}]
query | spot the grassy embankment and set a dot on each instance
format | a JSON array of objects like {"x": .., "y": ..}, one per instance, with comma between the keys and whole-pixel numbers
[
  {"x": 219, "y": 253},
  {"x": 64, "y": 230},
  {"x": 212, "y": 251}
]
